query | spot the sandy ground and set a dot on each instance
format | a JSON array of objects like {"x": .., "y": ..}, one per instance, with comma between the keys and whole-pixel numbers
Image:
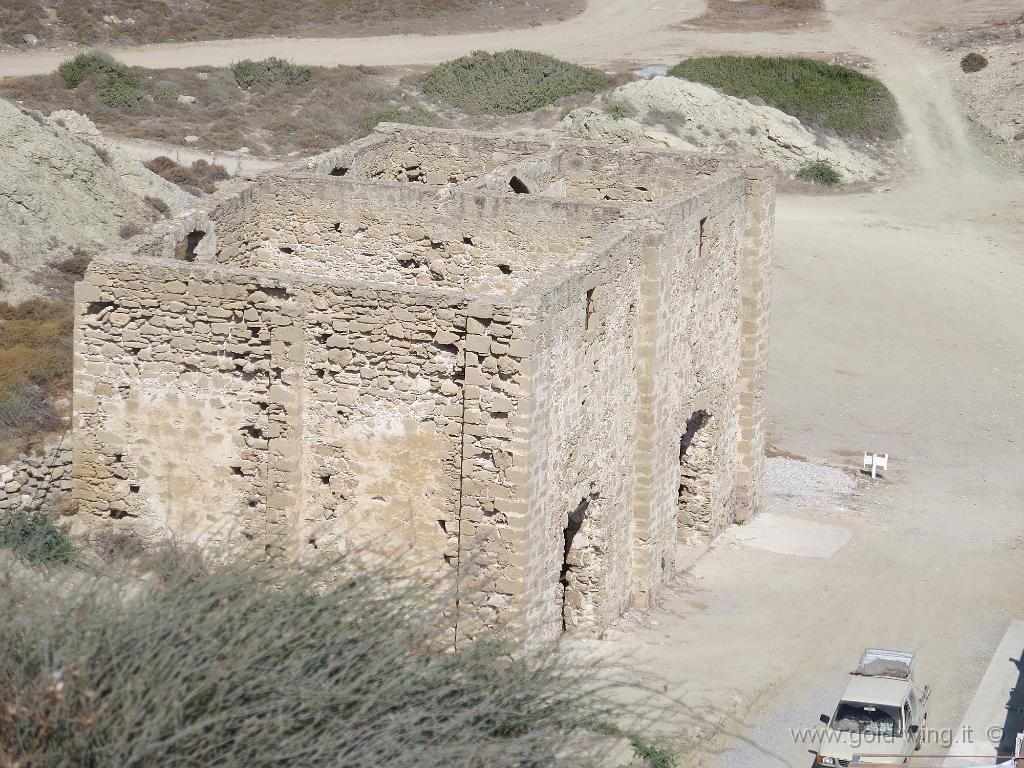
[{"x": 897, "y": 321}]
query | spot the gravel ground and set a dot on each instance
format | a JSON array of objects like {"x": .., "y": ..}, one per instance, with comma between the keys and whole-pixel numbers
[{"x": 791, "y": 483}]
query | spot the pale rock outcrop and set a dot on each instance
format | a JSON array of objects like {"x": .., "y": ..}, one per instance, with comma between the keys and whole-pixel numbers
[
  {"x": 676, "y": 113},
  {"x": 62, "y": 187}
]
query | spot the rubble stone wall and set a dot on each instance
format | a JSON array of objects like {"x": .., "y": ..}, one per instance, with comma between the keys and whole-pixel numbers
[
  {"x": 37, "y": 483},
  {"x": 536, "y": 398}
]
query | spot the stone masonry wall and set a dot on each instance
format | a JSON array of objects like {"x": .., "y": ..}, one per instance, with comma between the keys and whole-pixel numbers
[
  {"x": 533, "y": 399},
  {"x": 36, "y": 483},
  {"x": 581, "y": 432},
  {"x": 320, "y": 225}
]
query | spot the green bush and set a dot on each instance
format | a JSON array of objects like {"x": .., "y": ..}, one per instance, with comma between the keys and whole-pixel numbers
[
  {"x": 74, "y": 71},
  {"x": 655, "y": 756},
  {"x": 121, "y": 87},
  {"x": 508, "y": 82},
  {"x": 819, "y": 94},
  {"x": 270, "y": 71},
  {"x": 34, "y": 538},
  {"x": 118, "y": 93},
  {"x": 820, "y": 172},
  {"x": 252, "y": 665},
  {"x": 616, "y": 112},
  {"x": 414, "y": 116},
  {"x": 973, "y": 62}
]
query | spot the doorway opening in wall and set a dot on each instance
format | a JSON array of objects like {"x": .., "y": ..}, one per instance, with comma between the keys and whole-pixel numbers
[
  {"x": 186, "y": 249},
  {"x": 572, "y": 594},
  {"x": 518, "y": 186},
  {"x": 703, "y": 232},
  {"x": 695, "y": 477}
]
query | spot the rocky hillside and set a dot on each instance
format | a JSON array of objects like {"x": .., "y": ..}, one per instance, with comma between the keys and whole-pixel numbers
[
  {"x": 671, "y": 112},
  {"x": 63, "y": 194}
]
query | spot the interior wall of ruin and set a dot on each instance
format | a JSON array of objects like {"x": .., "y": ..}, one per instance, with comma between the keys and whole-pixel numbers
[{"x": 320, "y": 225}]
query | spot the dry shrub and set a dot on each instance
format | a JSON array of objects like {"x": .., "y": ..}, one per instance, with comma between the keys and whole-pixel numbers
[
  {"x": 35, "y": 344},
  {"x": 130, "y": 230},
  {"x": 973, "y": 62},
  {"x": 74, "y": 265},
  {"x": 158, "y": 205},
  {"x": 508, "y": 82},
  {"x": 271, "y": 119},
  {"x": 252, "y": 665},
  {"x": 200, "y": 175}
]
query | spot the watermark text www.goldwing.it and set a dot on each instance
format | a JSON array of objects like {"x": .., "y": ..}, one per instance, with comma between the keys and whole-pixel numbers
[{"x": 941, "y": 737}]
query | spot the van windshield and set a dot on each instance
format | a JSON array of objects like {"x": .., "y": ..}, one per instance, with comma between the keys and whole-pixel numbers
[{"x": 878, "y": 720}]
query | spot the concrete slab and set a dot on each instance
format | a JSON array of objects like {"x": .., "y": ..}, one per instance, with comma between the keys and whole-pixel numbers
[
  {"x": 995, "y": 715},
  {"x": 790, "y": 536}
]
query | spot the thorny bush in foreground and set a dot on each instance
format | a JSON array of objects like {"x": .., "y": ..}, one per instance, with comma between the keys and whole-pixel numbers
[{"x": 251, "y": 665}]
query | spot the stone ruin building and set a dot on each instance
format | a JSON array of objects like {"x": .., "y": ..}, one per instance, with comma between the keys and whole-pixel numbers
[{"x": 533, "y": 364}]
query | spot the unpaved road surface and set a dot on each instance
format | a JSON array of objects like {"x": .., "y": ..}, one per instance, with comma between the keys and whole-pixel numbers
[{"x": 897, "y": 328}]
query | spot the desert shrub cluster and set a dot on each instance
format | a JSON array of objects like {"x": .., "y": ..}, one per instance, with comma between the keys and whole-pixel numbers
[
  {"x": 821, "y": 95},
  {"x": 201, "y": 176},
  {"x": 508, "y": 82},
  {"x": 35, "y": 539},
  {"x": 245, "y": 664},
  {"x": 820, "y": 172},
  {"x": 131, "y": 21},
  {"x": 271, "y": 71},
  {"x": 303, "y": 116},
  {"x": 973, "y": 62},
  {"x": 35, "y": 362},
  {"x": 116, "y": 85}
]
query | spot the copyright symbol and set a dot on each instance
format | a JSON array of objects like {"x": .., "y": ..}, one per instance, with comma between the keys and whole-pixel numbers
[{"x": 995, "y": 734}]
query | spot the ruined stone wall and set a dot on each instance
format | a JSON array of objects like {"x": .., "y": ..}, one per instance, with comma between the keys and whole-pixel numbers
[
  {"x": 436, "y": 157},
  {"x": 538, "y": 397},
  {"x": 382, "y": 407},
  {"x": 319, "y": 225},
  {"x": 183, "y": 411},
  {"x": 693, "y": 296},
  {"x": 306, "y": 416},
  {"x": 581, "y": 441},
  {"x": 758, "y": 251},
  {"x": 38, "y": 483},
  {"x": 596, "y": 172}
]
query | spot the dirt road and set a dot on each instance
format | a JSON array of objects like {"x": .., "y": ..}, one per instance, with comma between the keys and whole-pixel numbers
[
  {"x": 897, "y": 322},
  {"x": 895, "y": 328}
]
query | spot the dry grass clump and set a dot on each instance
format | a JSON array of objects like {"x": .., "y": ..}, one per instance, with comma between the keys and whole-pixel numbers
[
  {"x": 35, "y": 364},
  {"x": 270, "y": 116},
  {"x": 201, "y": 175},
  {"x": 132, "y": 21},
  {"x": 252, "y": 665}
]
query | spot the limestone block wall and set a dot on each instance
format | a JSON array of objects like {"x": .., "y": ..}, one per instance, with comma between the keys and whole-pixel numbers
[
  {"x": 600, "y": 172},
  {"x": 694, "y": 327},
  {"x": 319, "y": 225},
  {"x": 438, "y": 157},
  {"x": 756, "y": 274},
  {"x": 184, "y": 404},
  {"x": 581, "y": 449},
  {"x": 37, "y": 483},
  {"x": 382, "y": 413},
  {"x": 536, "y": 398}
]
